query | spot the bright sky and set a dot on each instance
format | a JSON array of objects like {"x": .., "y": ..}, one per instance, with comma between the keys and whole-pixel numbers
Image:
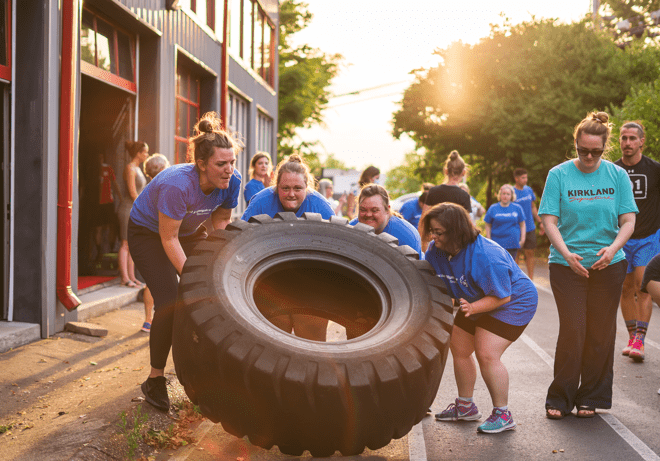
[{"x": 382, "y": 41}]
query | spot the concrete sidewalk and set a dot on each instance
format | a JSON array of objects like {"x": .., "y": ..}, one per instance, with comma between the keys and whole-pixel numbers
[{"x": 62, "y": 397}]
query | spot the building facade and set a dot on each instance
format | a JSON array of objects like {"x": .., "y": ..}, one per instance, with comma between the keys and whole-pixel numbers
[{"x": 79, "y": 78}]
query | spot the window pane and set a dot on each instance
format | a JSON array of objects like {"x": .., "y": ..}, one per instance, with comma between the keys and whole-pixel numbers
[
  {"x": 247, "y": 31},
  {"x": 194, "y": 89},
  {"x": 235, "y": 14},
  {"x": 268, "y": 34},
  {"x": 4, "y": 43},
  {"x": 182, "y": 119},
  {"x": 87, "y": 38},
  {"x": 182, "y": 151},
  {"x": 183, "y": 83},
  {"x": 200, "y": 10},
  {"x": 258, "y": 41},
  {"x": 124, "y": 46},
  {"x": 105, "y": 46},
  {"x": 192, "y": 119}
]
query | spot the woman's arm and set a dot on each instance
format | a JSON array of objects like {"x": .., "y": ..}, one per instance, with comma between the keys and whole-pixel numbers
[
  {"x": 552, "y": 231},
  {"x": 168, "y": 229},
  {"x": 129, "y": 177},
  {"x": 626, "y": 228},
  {"x": 485, "y": 304},
  {"x": 487, "y": 229},
  {"x": 523, "y": 233},
  {"x": 221, "y": 217}
]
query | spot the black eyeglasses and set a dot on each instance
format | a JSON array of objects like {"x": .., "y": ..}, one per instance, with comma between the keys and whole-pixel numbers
[
  {"x": 436, "y": 232},
  {"x": 594, "y": 152}
]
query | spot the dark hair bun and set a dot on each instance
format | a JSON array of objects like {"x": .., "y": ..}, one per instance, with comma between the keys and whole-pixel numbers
[
  {"x": 602, "y": 117},
  {"x": 295, "y": 158},
  {"x": 205, "y": 126},
  {"x": 453, "y": 155}
]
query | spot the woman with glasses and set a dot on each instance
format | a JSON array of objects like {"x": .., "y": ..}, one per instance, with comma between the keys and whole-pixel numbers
[
  {"x": 294, "y": 192},
  {"x": 588, "y": 212},
  {"x": 497, "y": 302}
]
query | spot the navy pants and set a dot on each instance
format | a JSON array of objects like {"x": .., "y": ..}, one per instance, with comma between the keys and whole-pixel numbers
[
  {"x": 162, "y": 279},
  {"x": 584, "y": 358}
]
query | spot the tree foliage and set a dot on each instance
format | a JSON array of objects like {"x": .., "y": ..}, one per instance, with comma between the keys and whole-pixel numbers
[
  {"x": 513, "y": 99},
  {"x": 637, "y": 18},
  {"x": 406, "y": 177},
  {"x": 304, "y": 77}
]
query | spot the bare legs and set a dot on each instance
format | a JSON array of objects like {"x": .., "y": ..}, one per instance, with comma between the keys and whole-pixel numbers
[
  {"x": 148, "y": 305},
  {"x": 126, "y": 266},
  {"x": 635, "y": 309},
  {"x": 488, "y": 349}
]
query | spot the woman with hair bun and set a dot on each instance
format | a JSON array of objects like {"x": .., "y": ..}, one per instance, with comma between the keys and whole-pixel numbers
[
  {"x": 588, "y": 212},
  {"x": 166, "y": 223},
  {"x": 293, "y": 191},
  {"x": 261, "y": 175},
  {"x": 134, "y": 182}
]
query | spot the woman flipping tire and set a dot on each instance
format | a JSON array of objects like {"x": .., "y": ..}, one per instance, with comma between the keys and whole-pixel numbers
[{"x": 299, "y": 394}]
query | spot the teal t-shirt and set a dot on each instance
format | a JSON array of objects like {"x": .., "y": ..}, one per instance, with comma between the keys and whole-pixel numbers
[{"x": 588, "y": 206}]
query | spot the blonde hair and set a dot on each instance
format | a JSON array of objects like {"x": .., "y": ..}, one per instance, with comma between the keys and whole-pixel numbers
[
  {"x": 511, "y": 189},
  {"x": 155, "y": 164},
  {"x": 296, "y": 165},
  {"x": 455, "y": 165}
]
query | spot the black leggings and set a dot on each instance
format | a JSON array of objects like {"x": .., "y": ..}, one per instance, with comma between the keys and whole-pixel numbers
[{"x": 162, "y": 279}]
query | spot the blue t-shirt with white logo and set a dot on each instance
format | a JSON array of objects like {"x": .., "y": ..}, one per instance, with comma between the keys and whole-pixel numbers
[
  {"x": 252, "y": 188},
  {"x": 411, "y": 211},
  {"x": 403, "y": 231},
  {"x": 483, "y": 268},
  {"x": 268, "y": 202},
  {"x": 588, "y": 206},
  {"x": 505, "y": 224},
  {"x": 176, "y": 193},
  {"x": 525, "y": 198}
]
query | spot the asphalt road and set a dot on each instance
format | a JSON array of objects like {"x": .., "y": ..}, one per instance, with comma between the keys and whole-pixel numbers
[{"x": 628, "y": 431}]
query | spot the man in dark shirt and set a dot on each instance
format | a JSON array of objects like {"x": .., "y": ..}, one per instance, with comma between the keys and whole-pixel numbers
[{"x": 644, "y": 243}]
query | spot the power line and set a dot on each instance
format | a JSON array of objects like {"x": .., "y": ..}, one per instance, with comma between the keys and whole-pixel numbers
[
  {"x": 353, "y": 93},
  {"x": 365, "y": 99}
]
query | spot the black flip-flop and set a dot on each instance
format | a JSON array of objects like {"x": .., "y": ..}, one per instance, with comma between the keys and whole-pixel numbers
[
  {"x": 561, "y": 414},
  {"x": 592, "y": 411}
]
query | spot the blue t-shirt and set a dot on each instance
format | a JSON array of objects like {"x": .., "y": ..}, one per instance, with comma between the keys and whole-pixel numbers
[
  {"x": 175, "y": 192},
  {"x": 525, "y": 198},
  {"x": 588, "y": 206},
  {"x": 505, "y": 224},
  {"x": 411, "y": 211},
  {"x": 403, "y": 231},
  {"x": 483, "y": 268},
  {"x": 251, "y": 188},
  {"x": 268, "y": 202}
]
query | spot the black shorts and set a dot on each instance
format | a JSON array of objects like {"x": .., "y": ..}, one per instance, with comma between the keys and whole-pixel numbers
[
  {"x": 530, "y": 240},
  {"x": 489, "y": 323},
  {"x": 651, "y": 273}
]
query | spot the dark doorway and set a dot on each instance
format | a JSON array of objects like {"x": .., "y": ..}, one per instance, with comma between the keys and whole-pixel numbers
[{"x": 106, "y": 123}]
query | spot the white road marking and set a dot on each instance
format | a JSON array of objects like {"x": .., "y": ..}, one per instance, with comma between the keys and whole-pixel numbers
[{"x": 416, "y": 444}]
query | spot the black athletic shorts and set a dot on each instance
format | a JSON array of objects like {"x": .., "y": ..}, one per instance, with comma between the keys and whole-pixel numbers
[
  {"x": 652, "y": 272},
  {"x": 530, "y": 240},
  {"x": 488, "y": 323}
]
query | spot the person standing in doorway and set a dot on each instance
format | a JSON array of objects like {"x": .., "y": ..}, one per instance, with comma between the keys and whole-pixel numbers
[
  {"x": 526, "y": 198},
  {"x": 644, "y": 244},
  {"x": 134, "y": 182}
]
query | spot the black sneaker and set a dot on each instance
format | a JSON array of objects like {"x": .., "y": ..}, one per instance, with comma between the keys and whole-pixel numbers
[{"x": 155, "y": 391}]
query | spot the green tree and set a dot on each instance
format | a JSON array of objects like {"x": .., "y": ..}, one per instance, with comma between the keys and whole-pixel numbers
[
  {"x": 638, "y": 16},
  {"x": 513, "y": 99},
  {"x": 304, "y": 77},
  {"x": 407, "y": 177}
]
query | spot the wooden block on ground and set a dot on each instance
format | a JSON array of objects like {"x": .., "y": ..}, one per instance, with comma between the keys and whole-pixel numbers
[{"x": 88, "y": 329}]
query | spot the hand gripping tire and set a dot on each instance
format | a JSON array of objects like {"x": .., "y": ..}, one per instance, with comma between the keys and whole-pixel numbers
[{"x": 279, "y": 389}]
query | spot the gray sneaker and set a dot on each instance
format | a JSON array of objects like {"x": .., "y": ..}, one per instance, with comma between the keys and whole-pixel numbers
[{"x": 459, "y": 412}]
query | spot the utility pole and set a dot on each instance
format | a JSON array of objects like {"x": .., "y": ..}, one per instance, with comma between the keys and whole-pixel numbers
[{"x": 595, "y": 6}]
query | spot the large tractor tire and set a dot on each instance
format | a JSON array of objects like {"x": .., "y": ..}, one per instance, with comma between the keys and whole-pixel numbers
[{"x": 280, "y": 389}]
